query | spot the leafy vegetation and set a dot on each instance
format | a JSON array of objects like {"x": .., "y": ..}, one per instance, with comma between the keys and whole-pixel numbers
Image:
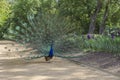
[
  {"x": 4, "y": 16},
  {"x": 101, "y": 43},
  {"x": 99, "y": 17}
]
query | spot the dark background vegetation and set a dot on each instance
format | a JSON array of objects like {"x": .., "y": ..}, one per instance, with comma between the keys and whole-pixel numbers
[{"x": 96, "y": 23}]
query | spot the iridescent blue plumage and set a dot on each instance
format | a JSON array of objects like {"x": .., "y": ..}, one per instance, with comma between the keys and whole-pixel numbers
[{"x": 51, "y": 52}]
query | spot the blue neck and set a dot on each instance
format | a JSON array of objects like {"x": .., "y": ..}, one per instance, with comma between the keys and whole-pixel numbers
[{"x": 51, "y": 52}]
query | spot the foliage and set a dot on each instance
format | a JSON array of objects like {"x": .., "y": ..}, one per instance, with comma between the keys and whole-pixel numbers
[
  {"x": 112, "y": 31},
  {"x": 4, "y": 11},
  {"x": 46, "y": 21},
  {"x": 21, "y": 9},
  {"x": 114, "y": 12},
  {"x": 101, "y": 43},
  {"x": 4, "y": 15},
  {"x": 78, "y": 11}
]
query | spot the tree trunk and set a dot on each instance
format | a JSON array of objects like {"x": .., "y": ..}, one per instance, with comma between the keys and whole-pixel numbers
[
  {"x": 94, "y": 16},
  {"x": 102, "y": 26}
]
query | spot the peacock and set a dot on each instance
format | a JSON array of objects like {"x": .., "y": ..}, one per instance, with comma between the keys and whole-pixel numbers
[
  {"x": 51, "y": 54},
  {"x": 47, "y": 34}
]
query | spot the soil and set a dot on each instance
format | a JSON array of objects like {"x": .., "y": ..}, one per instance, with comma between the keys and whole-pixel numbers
[
  {"x": 106, "y": 62},
  {"x": 13, "y": 67}
]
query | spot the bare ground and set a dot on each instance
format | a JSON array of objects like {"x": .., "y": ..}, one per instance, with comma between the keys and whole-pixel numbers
[
  {"x": 13, "y": 67},
  {"x": 101, "y": 60}
]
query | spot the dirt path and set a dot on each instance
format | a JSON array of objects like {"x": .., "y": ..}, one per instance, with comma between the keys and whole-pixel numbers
[
  {"x": 12, "y": 68},
  {"x": 101, "y": 60}
]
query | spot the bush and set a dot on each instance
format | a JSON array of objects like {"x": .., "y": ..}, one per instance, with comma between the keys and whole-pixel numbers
[
  {"x": 101, "y": 43},
  {"x": 112, "y": 31}
]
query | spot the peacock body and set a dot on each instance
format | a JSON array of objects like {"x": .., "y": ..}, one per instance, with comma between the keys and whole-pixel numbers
[
  {"x": 47, "y": 34},
  {"x": 51, "y": 54}
]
